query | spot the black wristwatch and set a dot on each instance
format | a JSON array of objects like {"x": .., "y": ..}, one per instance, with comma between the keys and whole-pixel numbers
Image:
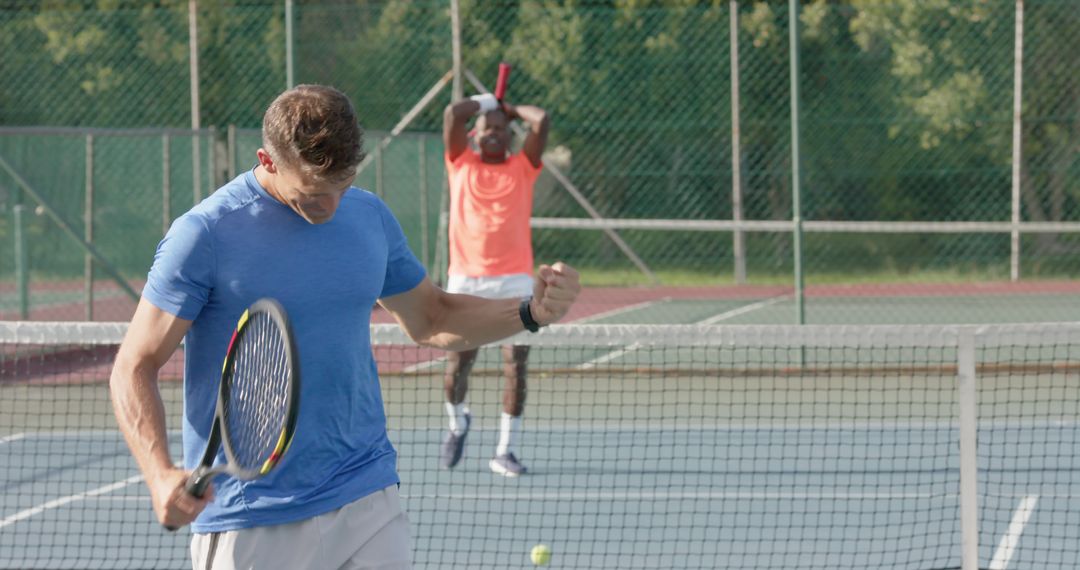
[{"x": 526, "y": 316}]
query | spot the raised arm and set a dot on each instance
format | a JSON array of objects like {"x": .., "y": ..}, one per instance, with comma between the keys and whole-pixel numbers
[
  {"x": 150, "y": 341},
  {"x": 536, "y": 139},
  {"x": 435, "y": 318},
  {"x": 456, "y": 120}
]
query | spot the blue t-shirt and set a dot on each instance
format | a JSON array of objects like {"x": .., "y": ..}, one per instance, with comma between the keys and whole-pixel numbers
[{"x": 241, "y": 244}]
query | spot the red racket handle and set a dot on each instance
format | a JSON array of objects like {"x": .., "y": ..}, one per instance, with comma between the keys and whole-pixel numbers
[{"x": 504, "y": 76}]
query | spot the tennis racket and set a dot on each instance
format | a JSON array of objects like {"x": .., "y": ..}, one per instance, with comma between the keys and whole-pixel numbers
[
  {"x": 504, "y": 77},
  {"x": 500, "y": 89},
  {"x": 258, "y": 399},
  {"x": 500, "y": 84}
]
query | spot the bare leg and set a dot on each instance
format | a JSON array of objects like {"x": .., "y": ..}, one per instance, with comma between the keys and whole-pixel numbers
[
  {"x": 514, "y": 371},
  {"x": 455, "y": 386},
  {"x": 514, "y": 391},
  {"x": 456, "y": 379}
]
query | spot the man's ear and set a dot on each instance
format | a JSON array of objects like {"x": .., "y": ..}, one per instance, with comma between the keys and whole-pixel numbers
[{"x": 266, "y": 161}]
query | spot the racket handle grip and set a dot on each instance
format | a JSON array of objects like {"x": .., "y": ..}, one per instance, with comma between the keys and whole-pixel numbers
[
  {"x": 196, "y": 486},
  {"x": 198, "y": 482},
  {"x": 500, "y": 84}
]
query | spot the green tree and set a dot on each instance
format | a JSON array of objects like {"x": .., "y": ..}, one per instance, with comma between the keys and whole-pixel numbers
[
  {"x": 104, "y": 63},
  {"x": 952, "y": 64}
]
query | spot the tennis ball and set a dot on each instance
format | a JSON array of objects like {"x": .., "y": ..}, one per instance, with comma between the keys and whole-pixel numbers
[{"x": 541, "y": 555}]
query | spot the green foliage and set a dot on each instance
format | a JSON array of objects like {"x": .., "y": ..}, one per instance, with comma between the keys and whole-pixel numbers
[
  {"x": 103, "y": 63},
  {"x": 906, "y": 105}
]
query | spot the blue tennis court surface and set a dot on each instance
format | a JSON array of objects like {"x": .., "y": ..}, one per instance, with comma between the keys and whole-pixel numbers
[
  {"x": 623, "y": 497},
  {"x": 748, "y": 453}
]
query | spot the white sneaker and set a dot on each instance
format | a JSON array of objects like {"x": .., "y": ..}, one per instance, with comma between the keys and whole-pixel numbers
[{"x": 507, "y": 465}]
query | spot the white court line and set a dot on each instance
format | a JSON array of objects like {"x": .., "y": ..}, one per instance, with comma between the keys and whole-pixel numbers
[
  {"x": 622, "y": 496},
  {"x": 614, "y": 312},
  {"x": 424, "y": 365},
  {"x": 25, "y": 514},
  {"x": 93, "y": 433},
  {"x": 709, "y": 321},
  {"x": 1008, "y": 543},
  {"x": 620, "y": 311},
  {"x": 743, "y": 310},
  {"x": 12, "y": 437},
  {"x": 742, "y": 426},
  {"x": 608, "y": 357}
]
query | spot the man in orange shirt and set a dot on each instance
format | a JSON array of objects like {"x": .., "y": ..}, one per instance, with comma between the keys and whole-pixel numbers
[{"x": 491, "y": 193}]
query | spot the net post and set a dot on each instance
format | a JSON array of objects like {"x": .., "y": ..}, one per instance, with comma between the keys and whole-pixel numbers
[{"x": 967, "y": 394}]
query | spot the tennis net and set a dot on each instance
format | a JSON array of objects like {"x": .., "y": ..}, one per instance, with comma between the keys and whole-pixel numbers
[{"x": 918, "y": 447}]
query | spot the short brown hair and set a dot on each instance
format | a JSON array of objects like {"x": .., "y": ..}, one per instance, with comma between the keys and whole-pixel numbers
[{"x": 314, "y": 128}]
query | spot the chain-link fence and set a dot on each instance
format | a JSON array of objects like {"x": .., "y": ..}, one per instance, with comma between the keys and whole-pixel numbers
[{"x": 916, "y": 175}]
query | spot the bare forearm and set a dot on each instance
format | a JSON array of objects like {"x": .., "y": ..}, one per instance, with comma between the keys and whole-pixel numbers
[
  {"x": 461, "y": 110},
  {"x": 140, "y": 414},
  {"x": 455, "y": 118},
  {"x": 151, "y": 339},
  {"x": 536, "y": 140},
  {"x": 432, "y": 317},
  {"x": 466, "y": 322},
  {"x": 535, "y": 116}
]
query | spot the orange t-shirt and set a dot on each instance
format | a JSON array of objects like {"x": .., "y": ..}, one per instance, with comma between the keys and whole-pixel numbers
[{"x": 490, "y": 207}]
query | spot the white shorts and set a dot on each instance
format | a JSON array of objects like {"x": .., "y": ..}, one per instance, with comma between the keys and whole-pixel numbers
[
  {"x": 372, "y": 532},
  {"x": 513, "y": 286}
]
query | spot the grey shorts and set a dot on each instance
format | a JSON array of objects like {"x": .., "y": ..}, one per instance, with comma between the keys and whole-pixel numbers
[{"x": 372, "y": 532}]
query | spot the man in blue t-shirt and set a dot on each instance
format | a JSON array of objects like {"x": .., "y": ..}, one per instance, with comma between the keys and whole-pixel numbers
[{"x": 295, "y": 229}]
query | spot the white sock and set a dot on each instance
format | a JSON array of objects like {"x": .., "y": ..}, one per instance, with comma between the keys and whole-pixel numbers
[
  {"x": 508, "y": 428},
  {"x": 457, "y": 417}
]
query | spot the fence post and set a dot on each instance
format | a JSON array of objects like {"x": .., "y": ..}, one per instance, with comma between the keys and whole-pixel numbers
[
  {"x": 196, "y": 120},
  {"x": 289, "y": 77},
  {"x": 442, "y": 238},
  {"x": 379, "y": 170},
  {"x": 738, "y": 246},
  {"x": 422, "y": 139},
  {"x": 1017, "y": 141},
  {"x": 230, "y": 150},
  {"x": 457, "y": 90},
  {"x": 796, "y": 165},
  {"x": 166, "y": 184},
  {"x": 22, "y": 268},
  {"x": 88, "y": 229},
  {"x": 218, "y": 160}
]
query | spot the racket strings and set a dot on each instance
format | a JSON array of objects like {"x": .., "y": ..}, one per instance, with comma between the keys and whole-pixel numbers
[{"x": 258, "y": 395}]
